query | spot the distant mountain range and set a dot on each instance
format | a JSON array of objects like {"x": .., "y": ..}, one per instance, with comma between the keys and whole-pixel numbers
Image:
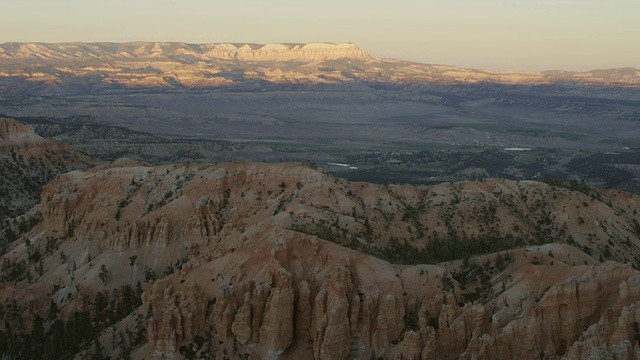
[{"x": 39, "y": 68}]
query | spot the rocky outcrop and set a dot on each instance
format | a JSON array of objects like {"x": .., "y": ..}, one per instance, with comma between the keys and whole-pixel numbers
[
  {"x": 276, "y": 332},
  {"x": 177, "y": 315},
  {"x": 616, "y": 333},
  {"x": 331, "y": 338},
  {"x": 27, "y": 162},
  {"x": 241, "y": 327},
  {"x": 303, "y": 311},
  {"x": 410, "y": 348},
  {"x": 14, "y": 133}
]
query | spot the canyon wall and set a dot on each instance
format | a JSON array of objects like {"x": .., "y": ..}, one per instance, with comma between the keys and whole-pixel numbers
[{"x": 247, "y": 275}]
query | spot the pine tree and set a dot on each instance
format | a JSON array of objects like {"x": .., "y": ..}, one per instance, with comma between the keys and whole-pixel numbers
[
  {"x": 103, "y": 274},
  {"x": 98, "y": 349}
]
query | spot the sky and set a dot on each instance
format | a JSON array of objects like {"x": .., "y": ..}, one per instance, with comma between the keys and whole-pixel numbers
[{"x": 520, "y": 35}]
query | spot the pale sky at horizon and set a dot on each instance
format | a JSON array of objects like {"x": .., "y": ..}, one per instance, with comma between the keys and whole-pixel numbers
[{"x": 522, "y": 35}]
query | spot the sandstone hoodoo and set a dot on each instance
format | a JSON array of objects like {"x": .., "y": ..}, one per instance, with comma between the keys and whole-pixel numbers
[{"x": 246, "y": 260}]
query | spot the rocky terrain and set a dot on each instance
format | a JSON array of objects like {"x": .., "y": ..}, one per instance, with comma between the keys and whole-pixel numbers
[
  {"x": 248, "y": 260},
  {"x": 99, "y": 67},
  {"x": 27, "y": 162}
]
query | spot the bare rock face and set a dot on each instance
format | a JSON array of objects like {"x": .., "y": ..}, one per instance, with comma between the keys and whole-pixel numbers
[
  {"x": 610, "y": 335},
  {"x": 622, "y": 351},
  {"x": 14, "y": 133},
  {"x": 410, "y": 348},
  {"x": 332, "y": 326},
  {"x": 241, "y": 327},
  {"x": 277, "y": 329},
  {"x": 178, "y": 315},
  {"x": 281, "y": 52},
  {"x": 390, "y": 322},
  {"x": 331, "y": 340},
  {"x": 303, "y": 311}
]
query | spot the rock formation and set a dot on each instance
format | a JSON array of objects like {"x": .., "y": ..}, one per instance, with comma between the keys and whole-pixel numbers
[
  {"x": 177, "y": 316},
  {"x": 277, "y": 261},
  {"x": 27, "y": 162}
]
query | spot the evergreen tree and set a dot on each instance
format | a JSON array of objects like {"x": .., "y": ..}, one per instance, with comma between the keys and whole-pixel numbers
[
  {"x": 98, "y": 349},
  {"x": 103, "y": 274}
]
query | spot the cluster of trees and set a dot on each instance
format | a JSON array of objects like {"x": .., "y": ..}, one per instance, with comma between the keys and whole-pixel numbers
[
  {"x": 10, "y": 230},
  {"x": 437, "y": 250},
  {"x": 16, "y": 270},
  {"x": 446, "y": 249},
  {"x": 572, "y": 184},
  {"x": 57, "y": 337},
  {"x": 476, "y": 278}
]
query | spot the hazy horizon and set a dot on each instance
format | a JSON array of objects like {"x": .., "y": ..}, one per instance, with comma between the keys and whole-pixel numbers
[{"x": 494, "y": 35}]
